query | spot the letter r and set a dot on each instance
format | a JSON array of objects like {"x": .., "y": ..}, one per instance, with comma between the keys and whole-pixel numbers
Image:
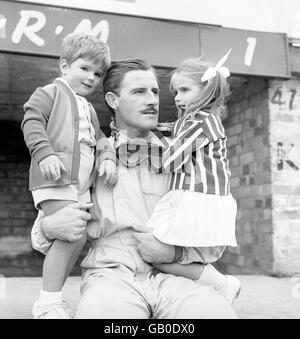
[{"x": 30, "y": 31}]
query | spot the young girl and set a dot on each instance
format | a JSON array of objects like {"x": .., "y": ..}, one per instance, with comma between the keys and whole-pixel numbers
[{"x": 198, "y": 211}]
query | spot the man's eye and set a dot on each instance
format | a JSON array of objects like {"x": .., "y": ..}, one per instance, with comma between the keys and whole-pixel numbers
[
  {"x": 84, "y": 69},
  {"x": 98, "y": 75}
]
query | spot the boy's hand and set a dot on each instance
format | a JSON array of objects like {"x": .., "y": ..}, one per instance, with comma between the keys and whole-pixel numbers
[
  {"x": 109, "y": 168},
  {"x": 51, "y": 168}
]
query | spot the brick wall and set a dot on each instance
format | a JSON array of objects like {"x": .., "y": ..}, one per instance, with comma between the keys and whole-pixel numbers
[
  {"x": 247, "y": 128},
  {"x": 16, "y": 209},
  {"x": 285, "y": 141},
  {"x": 264, "y": 147}
]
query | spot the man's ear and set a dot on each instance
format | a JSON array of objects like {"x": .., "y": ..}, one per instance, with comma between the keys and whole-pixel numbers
[
  {"x": 112, "y": 100},
  {"x": 63, "y": 66}
]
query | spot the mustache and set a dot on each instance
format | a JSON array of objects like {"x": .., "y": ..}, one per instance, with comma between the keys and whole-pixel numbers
[{"x": 150, "y": 110}]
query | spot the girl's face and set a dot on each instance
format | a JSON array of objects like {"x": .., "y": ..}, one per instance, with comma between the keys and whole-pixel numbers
[{"x": 186, "y": 91}]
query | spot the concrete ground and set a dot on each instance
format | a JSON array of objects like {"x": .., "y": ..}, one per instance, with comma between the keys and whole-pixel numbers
[{"x": 261, "y": 297}]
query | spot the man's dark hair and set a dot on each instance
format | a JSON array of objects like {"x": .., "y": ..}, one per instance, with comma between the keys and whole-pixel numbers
[{"x": 114, "y": 76}]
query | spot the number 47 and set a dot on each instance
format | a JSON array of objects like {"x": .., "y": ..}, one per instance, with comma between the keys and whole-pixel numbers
[{"x": 278, "y": 100}]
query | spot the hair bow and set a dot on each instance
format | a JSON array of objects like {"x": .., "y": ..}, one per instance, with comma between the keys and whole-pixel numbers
[{"x": 212, "y": 71}]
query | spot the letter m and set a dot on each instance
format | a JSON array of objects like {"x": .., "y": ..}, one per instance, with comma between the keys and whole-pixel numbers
[{"x": 101, "y": 30}]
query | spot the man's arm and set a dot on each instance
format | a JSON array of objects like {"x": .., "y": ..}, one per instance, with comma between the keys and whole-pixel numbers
[{"x": 154, "y": 251}]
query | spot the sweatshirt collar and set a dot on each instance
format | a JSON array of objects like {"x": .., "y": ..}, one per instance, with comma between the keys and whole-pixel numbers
[{"x": 64, "y": 82}]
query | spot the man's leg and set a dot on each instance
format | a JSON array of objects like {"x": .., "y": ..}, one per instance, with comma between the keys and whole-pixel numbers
[
  {"x": 181, "y": 298},
  {"x": 111, "y": 297}
]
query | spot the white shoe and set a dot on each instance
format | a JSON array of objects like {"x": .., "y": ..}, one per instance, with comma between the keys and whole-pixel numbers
[
  {"x": 53, "y": 311},
  {"x": 233, "y": 289}
]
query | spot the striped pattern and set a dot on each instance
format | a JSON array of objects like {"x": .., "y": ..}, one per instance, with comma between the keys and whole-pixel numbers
[{"x": 197, "y": 155}]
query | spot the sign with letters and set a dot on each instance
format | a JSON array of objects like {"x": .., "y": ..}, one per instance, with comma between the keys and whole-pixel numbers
[{"x": 39, "y": 29}]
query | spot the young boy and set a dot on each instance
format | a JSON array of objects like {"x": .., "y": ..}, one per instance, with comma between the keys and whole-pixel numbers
[{"x": 61, "y": 130}]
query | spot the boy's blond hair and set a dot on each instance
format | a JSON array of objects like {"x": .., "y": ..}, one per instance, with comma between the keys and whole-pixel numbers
[{"x": 80, "y": 45}]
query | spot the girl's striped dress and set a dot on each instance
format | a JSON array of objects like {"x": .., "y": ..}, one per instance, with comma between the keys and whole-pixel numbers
[{"x": 198, "y": 210}]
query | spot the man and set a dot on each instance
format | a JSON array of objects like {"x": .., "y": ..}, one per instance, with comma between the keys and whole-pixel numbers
[{"x": 117, "y": 280}]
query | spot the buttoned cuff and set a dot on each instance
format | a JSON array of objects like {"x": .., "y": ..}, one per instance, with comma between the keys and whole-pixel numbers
[{"x": 178, "y": 254}]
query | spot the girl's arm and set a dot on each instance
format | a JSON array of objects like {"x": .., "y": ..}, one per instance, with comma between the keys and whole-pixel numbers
[
  {"x": 183, "y": 145},
  {"x": 193, "y": 136}
]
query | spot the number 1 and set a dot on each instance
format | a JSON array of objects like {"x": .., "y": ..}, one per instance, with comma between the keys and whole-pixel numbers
[{"x": 250, "y": 51}]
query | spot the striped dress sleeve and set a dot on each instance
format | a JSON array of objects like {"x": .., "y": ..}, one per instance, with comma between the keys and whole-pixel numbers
[
  {"x": 189, "y": 139},
  {"x": 213, "y": 128}
]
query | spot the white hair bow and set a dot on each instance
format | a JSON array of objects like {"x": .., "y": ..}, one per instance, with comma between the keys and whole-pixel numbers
[{"x": 212, "y": 71}]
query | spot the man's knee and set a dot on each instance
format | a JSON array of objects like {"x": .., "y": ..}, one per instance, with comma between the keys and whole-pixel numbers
[
  {"x": 103, "y": 299},
  {"x": 202, "y": 303}
]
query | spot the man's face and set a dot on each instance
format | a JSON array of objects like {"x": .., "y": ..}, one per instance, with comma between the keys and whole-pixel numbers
[{"x": 138, "y": 102}]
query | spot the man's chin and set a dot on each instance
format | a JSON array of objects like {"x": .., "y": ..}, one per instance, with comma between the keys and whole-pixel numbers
[
  {"x": 152, "y": 127},
  {"x": 149, "y": 125}
]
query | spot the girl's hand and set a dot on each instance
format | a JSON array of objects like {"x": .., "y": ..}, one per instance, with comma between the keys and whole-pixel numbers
[{"x": 51, "y": 168}]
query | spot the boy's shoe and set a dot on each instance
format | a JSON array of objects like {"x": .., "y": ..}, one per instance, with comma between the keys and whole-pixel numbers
[
  {"x": 53, "y": 311},
  {"x": 233, "y": 289}
]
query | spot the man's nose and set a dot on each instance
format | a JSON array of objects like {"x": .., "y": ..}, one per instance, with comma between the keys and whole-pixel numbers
[{"x": 152, "y": 99}]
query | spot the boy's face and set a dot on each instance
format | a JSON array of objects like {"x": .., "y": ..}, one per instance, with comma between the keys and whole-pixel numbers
[{"x": 83, "y": 75}]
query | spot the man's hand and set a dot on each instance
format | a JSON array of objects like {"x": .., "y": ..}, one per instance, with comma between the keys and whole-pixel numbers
[
  {"x": 154, "y": 251},
  {"x": 109, "y": 168},
  {"x": 51, "y": 168},
  {"x": 67, "y": 224}
]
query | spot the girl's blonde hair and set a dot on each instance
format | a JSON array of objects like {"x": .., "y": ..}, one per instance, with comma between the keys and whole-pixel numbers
[{"x": 215, "y": 91}]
